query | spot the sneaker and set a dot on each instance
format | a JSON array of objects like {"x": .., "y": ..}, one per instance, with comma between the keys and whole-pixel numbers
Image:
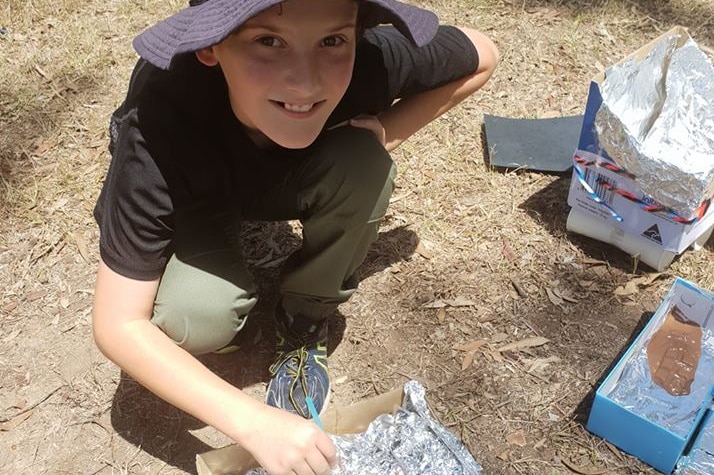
[{"x": 300, "y": 369}]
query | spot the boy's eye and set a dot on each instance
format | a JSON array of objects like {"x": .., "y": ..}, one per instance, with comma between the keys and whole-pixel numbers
[
  {"x": 269, "y": 41},
  {"x": 332, "y": 41}
]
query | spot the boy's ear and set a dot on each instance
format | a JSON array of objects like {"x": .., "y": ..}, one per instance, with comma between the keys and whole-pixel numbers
[{"x": 207, "y": 56}]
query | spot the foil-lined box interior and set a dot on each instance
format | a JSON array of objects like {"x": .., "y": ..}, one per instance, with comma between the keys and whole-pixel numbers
[
  {"x": 657, "y": 398},
  {"x": 700, "y": 460}
]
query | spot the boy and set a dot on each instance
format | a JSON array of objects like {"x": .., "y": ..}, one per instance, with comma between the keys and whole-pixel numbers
[{"x": 260, "y": 110}]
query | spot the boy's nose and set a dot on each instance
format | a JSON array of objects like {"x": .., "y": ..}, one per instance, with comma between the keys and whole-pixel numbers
[{"x": 303, "y": 75}]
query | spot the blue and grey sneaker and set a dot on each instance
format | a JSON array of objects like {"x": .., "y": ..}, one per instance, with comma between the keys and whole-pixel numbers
[{"x": 300, "y": 368}]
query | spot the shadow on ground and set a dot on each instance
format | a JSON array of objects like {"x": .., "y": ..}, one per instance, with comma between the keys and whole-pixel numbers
[{"x": 582, "y": 411}]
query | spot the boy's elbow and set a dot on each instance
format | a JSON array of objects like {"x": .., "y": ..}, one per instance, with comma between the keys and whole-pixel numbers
[{"x": 488, "y": 54}]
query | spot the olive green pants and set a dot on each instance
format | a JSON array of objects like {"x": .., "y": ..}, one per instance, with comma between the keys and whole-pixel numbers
[{"x": 339, "y": 188}]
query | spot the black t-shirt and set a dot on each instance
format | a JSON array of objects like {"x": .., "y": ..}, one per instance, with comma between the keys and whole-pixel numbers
[{"x": 176, "y": 144}]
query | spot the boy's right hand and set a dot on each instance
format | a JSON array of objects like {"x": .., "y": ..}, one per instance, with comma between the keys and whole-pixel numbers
[{"x": 285, "y": 444}]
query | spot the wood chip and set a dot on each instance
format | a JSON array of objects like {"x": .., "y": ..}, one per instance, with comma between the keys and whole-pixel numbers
[
  {"x": 37, "y": 294},
  {"x": 41, "y": 71},
  {"x": 519, "y": 289}
]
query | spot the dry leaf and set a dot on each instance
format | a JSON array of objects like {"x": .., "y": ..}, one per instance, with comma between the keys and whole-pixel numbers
[
  {"x": 423, "y": 249},
  {"x": 541, "y": 363},
  {"x": 517, "y": 438},
  {"x": 499, "y": 337},
  {"x": 629, "y": 288},
  {"x": 14, "y": 422},
  {"x": 468, "y": 359},
  {"x": 495, "y": 355},
  {"x": 438, "y": 303},
  {"x": 11, "y": 336},
  {"x": 525, "y": 343},
  {"x": 461, "y": 302},
  {"x": 583, "y": 470},
  {"x": 470, "y": 346},
  {"x": 553, "y": 297},
  {"x": 567, "y": 297},
  {"x": 81, "y": 246}
]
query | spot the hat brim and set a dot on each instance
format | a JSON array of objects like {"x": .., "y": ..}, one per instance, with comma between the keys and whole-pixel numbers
[{"x": 207, "y": 24}]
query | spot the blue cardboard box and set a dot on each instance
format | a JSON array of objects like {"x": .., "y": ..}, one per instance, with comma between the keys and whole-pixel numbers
[{"x": 627, "y": 428}]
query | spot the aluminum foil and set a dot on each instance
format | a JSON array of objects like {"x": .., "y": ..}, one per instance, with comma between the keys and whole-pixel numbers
[
  {"x": 700, "y": 461},
  {"x": 410, "y": 442},
  {"x": 636, "y": 391},
  {"x": 657, "y": 122}
]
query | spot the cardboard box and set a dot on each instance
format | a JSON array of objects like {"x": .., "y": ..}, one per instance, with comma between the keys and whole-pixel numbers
[
  {"x": 352, "y": 419},
  {"x": 650, "y": 442},
  {"x": 612, "y": 217}
]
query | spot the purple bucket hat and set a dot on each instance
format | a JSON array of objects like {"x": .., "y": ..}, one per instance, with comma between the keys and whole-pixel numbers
[{"x": 206, "y": 22}]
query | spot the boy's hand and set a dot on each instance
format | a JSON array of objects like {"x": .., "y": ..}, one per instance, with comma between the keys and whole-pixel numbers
[
  {"x": 370, "y": 122},
  {"x": 286, "y": 444}
]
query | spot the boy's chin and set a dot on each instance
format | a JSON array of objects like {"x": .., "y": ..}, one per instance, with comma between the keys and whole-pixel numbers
[{"x": 294, "y": 141}]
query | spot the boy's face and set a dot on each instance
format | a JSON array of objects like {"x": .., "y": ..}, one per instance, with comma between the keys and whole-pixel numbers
[{"x": 288, "y": 67}]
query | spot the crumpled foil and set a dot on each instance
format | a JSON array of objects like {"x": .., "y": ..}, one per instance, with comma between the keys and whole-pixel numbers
[
  {"x": 657, "y": 122},
  {"x": 700, "y": 461},
  {"x": 636, "y": 391},
  {"x": 410, "y": 442}
]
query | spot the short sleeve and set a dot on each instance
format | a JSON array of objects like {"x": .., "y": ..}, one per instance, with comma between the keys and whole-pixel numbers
[
  {"x": 449, "y": 56},
  {"x": 134, "y": 210}
]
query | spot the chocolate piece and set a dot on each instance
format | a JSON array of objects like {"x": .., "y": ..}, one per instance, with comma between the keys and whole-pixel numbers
[{"x": 673, "y": 353}]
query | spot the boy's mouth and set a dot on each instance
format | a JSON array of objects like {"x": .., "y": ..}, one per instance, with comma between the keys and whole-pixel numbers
[{"x": 298, "y": 108}]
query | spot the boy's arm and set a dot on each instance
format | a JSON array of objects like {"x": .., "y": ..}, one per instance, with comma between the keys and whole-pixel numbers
[
  {"x": 409, "y": 115},
  {"x": 279, "y": 441}
]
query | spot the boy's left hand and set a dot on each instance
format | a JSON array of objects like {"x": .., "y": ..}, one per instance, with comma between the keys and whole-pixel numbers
[{"x": 370, "y": 122}]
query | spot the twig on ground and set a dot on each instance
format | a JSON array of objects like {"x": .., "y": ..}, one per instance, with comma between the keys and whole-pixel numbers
[{"x": 32, "y": 406}]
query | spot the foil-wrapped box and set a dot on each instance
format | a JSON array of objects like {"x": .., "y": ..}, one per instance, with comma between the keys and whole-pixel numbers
[
  {"x": 656, "y": 122},
  {"x": 643, "y": 169}
]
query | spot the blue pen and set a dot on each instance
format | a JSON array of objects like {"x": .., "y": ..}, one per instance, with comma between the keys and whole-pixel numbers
[{"x": 313, "y": 412}]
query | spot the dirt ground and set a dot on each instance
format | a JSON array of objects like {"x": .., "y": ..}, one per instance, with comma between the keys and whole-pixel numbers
[{"x": 466, "y": 253}]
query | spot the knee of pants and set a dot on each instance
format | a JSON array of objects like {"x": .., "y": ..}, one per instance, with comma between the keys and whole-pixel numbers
[
  {"x": 353, "y": 167},
  {"x": 201, "y": 312}
]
